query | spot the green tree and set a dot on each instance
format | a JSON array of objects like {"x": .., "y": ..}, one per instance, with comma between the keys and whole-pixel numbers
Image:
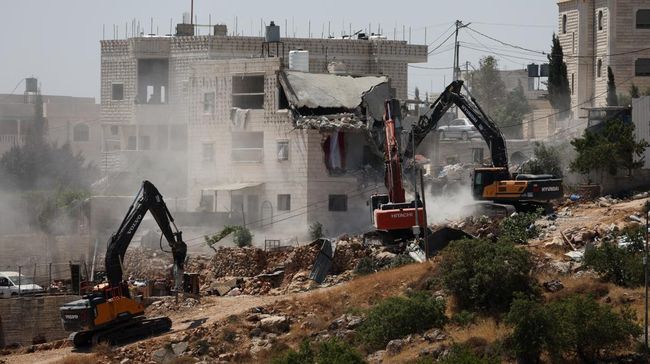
[
  {"x": 486, "y": 276},
  {"x": 510, "y": 114},
  {"x": 559, "y": 93},
  {"x": 487, "y": 85},
  {"x": 532, "y": 329},
  {"x": 612, "y": 97},
  {"x": 608, "y": 149},
  {"x": 51, "y": 179},
  {"x": 546, "y": 160}
]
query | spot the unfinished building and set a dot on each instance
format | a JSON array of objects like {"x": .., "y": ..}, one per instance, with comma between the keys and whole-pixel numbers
[{"x": 163, "y": 98}]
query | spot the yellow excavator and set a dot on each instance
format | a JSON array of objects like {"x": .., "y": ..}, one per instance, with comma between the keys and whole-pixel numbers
[
  {"x": 501, "y": 191},
  {"x": 112, "y": 315}
]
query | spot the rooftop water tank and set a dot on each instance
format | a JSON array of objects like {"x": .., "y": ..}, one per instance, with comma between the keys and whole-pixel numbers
[
  {"x": 544, "y": 70},
  {"x": 272, "y": 33},
  {"x": 299, "y": 60},
  {"x": 533, "y": 70},
  {"x": 31, "y": 84}
]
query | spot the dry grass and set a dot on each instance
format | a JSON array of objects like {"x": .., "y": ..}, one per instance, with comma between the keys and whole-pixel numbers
[
  {"x": 78, "y": 359},
  {"x": 486, "y": 328},
  {"x": 582, "y": 286}
]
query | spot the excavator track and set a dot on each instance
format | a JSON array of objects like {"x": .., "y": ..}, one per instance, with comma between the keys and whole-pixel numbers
[{"x": 135, "y": 328}]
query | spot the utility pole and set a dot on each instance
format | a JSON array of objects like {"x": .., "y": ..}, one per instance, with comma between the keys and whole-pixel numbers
[
  {"x": 459, "y": 26},
  {"x": 456, "y": 77}
]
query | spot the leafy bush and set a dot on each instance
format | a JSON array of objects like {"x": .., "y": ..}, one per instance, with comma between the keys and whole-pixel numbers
[
  {"x": 464, "y": 318},
  {"x": 366, "y": 265},
  {"x": 316, "y": 230},
  {"x": 519, "y": 228},
  {"x": 241, "y": 236},
  {"x": 622, "y": 266},
  {"x": 400, "y": 260},
  {"x": 577, "y": 325},
  {"x": 546, "y": 160},
  {"x": 532, "y": 331},
  {"x": 461, "y": 354},
  {"x": 486, "y": 276},
  {"x": 395, "y": 317},
  {"x": 332, "y": 351}
]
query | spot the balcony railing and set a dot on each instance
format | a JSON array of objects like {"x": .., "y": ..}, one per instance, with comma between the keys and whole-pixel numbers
[{"x": 11, "y": 139}]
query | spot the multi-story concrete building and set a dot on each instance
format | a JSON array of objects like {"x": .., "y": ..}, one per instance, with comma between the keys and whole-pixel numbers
[
  {"x": 71, "y": 120},
  {"x": 595, "y": 34},
  {"x": 166, "y": 105}
]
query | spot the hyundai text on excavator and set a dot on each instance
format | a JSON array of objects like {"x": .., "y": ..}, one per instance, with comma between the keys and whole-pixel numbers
[
  {"x": 503, "y": 191},
  {"x": 112, "y": 315}
]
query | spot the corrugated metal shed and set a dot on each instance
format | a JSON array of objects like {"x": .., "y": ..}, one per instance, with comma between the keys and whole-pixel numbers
[{"x": 641, "y": 120}]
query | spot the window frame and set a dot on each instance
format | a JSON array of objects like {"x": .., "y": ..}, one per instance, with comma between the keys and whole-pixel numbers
[
  {"x": 234, "y": 150},
  {"x": 240, "y": 94},
  {"x": 600, "y": 19},
  {"x": 564, "y": 23},
  {"x": 636, "y": 66},
  {"x": 332, "y": 203},
  {"x": 86, "y": 130},
  {"x": 278, "y": 143},
  {"x": 599, "y": 68},
  {"x": 646, "y": 25},
  {"x": 284, "y": 206},
  {"x": 113, "y": 85},
  {"x": 209, "y": 103}
]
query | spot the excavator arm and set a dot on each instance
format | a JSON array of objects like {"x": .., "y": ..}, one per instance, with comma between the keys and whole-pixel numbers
[
  {"x": 449, "y": 97},
  {"x": 147, "y": 199}
]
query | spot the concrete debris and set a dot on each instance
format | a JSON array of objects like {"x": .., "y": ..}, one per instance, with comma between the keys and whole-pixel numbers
[
  {"x": 553, "y": 285},
  {"x": 275, "y": 324},
  {"x": 394, "y": 347},
  {"x": 575, "y": 255}
]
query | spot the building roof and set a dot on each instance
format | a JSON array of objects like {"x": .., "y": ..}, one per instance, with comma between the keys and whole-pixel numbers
[{"x": 317, "y": 90}]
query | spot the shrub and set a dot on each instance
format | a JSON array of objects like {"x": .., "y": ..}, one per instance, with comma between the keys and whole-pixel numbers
[
  {"x": 622, "y": 266},
  {"x": 546, "y": 160},
  {"x": 395, "y": 317},
  {"x": 461, "y": 354},
  {"x": 532, "y": 331},
  {"x": 241, "y": 236},
  {"x": 484, "y": 275},
  {"x": 577, "y": 325},
  {"x": 332, "y": 351},
  {"x": 464, "y": 318},
  {"x": 400, "y": 260},
  {"x": 519, "y": 228},
  {"x": 366, "y": 265},
  {"x": 316, "y": 230}
]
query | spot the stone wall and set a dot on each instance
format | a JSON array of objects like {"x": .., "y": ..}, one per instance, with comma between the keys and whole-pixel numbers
[{"x": 25, "y": 318}]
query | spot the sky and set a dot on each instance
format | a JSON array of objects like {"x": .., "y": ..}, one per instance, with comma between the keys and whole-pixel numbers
[{"x": 57, "y": 41}]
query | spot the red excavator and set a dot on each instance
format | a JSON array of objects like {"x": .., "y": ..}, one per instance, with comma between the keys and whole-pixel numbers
[{"x": 393, "y": 217}]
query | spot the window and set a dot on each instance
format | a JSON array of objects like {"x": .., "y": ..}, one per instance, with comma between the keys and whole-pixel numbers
[
  {"x": 283, "y": 150},
  {"x": 338, "y": 202},
  {"x": 248, "y": 92},
  {"x": 206, "y": 203},
  {"x": 643, "y": 19},
  {"x": 117, "y": 92},
  {"x": 208, "y": 103},
  {"x": 642, "y": 67},
  {"x": 573, "y": 79},
  {"x": 247, "y": 146},
  {"x": 131, "y": 143},
  {"x": 81, "y": 133},
  {"x": 284, "y": 202},
  {"x": 564, "y": 24},
  {"x": 145, "y": 142},
  {"x": 114, "y": 129},
  {"x": 207, "y": 152},
  {"x": 600, "y": 20},
  {"x": 153, "y": 81},
  {"x": 599, "y": 68}
]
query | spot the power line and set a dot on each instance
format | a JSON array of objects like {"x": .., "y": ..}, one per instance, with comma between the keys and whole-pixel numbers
[
  {"x": 441, "y": 35},
  {"x": 497, "y": 53},
  {"x": 431, "y": 68},
  {"x": 505, "y": 43},
  {"x": 516, "y": 25},
  {"x": 441, "y": 44}
]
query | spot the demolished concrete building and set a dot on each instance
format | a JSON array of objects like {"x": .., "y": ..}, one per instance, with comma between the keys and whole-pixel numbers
[
  {"x": 302, "y": 152},
  {"x": 163, "y": 98}
]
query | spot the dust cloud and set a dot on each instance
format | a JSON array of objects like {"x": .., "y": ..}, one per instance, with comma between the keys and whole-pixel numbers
[{"x": 445, "y": 207}]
